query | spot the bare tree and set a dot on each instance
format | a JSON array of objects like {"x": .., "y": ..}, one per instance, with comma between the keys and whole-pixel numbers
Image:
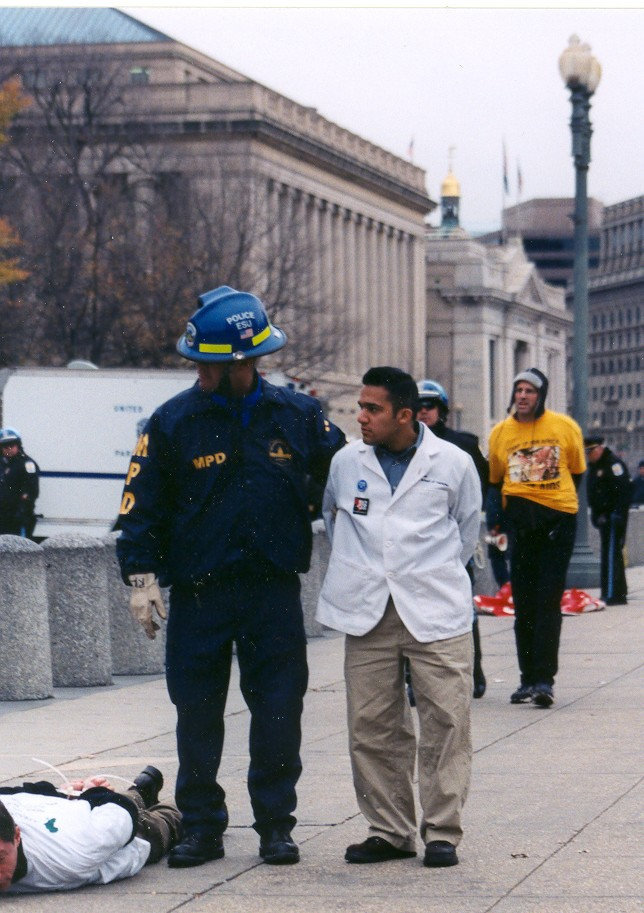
[
  {"x": 67, "y": 172},
  {"x": 121, "y": 236}
]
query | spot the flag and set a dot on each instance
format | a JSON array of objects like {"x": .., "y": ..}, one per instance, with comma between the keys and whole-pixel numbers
[
  {"x": 410, "y": 150},
  {"x": 519, "y": 180},
  {"x": 506, "y": 186}
]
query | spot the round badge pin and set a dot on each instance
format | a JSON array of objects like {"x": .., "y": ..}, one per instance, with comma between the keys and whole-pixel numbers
[{"x": 362, "y": 485}]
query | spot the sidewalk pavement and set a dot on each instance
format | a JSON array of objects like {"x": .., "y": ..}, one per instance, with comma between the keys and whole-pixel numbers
[{"x": 551, "y": 823}]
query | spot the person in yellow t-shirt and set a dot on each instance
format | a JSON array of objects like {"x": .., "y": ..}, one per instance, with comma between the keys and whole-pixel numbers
[{"x": 537, "y": 461}]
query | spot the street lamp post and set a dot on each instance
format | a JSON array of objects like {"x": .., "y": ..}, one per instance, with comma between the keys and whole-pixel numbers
[{"x": 581, "y": 73}]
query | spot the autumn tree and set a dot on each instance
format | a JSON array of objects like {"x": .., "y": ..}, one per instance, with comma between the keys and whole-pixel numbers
[{"x": 12, "y": 101}]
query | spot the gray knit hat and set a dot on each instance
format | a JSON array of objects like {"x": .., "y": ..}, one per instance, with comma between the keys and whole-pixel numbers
[{"x": 538, "y": 380}]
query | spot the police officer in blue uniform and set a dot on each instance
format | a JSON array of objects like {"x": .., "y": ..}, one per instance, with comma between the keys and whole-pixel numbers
[
  {"x": 18, "y": 486},
  {"x": 609, "y": 497},
  {"x": 215, "y": 505}
]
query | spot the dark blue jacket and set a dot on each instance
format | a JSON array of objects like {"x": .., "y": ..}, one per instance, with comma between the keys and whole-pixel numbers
[
  {"x": 206, "y": 489},
  {"x": 468, "y": 442}
]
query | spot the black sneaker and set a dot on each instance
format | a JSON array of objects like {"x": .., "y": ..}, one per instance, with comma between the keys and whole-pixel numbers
[
  {"x": 195, "y": 849},
  {"x": 276, "y": 847},
  {"x": 542, "y": 695},
  {"x": 439, "y": 854},
  {"x": 148, "y": 785},
  {"x": 375, "y": 849},
  {"x": 521, "y": 695}
]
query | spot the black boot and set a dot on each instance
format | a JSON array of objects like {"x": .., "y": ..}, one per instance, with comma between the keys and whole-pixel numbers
[
  {"x": 149, "y": 784},
  {"x": 479, "y": 678}
]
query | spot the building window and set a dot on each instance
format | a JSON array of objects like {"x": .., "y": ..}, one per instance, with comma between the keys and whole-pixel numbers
[
  {"x": 139, "y": 76},
  {"x": 492, "y": 375},
  {"x": 520, "y": 356}
]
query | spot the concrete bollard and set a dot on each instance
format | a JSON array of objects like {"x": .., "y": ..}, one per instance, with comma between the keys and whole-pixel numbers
[
  {"x": 312, "y": 581},
  {"x": 25, "y": 654},
  {"x": 132, "y": 652},
  {"x": 78, "y": 611}
]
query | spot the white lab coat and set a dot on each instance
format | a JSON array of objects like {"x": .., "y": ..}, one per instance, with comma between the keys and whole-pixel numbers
[
  {"x": 67, "y": 843},
  {"x": 412, "y": 545}
]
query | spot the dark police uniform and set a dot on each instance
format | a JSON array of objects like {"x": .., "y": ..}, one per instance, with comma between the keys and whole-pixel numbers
[
  {"x": 470, "y": 444},
  {"x": 18, "y": 494},
  {"x": 609, "y": 495},
  {"x": 216, "y": 504}
]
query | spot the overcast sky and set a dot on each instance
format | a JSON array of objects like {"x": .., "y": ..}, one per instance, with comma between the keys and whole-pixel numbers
[{"x": 473, "y": 79}]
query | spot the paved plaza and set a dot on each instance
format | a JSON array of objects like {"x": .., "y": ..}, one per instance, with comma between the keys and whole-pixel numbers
[{"x": 551, "y": 823}]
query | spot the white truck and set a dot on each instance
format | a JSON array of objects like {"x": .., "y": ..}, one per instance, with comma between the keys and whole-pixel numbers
[{"x": 80, "y": 424}]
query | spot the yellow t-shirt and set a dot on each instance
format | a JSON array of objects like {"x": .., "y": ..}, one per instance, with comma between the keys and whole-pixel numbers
[{"x": 536, "y": 460}]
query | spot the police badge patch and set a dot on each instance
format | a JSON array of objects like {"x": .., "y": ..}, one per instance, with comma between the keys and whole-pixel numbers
[{"x": 280, "y": 451}]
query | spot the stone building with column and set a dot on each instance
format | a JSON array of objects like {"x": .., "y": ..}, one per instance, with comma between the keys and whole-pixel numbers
[
  {"x": 489, "y": 315},
  {"x": 360, "y": 208}
]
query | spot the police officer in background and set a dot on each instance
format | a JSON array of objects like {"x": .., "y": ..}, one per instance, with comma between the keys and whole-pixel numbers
[
  {"x": 609, "y": 496},
  {"x": 433, "y": 409},
  {"x": 215, "y": 506},
  {"x": 18, "y": 486}
]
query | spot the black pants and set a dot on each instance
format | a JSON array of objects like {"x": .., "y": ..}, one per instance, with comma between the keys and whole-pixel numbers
[
  {"x": 613, "y": 576},
  {"x": 262, "y": 614},
  {"x": 499, "y": 565},
  {"x": 541, "y": 548}
]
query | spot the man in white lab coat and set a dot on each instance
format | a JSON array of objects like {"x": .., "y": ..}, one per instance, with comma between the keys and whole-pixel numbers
[{"x": 402, "y": 510}]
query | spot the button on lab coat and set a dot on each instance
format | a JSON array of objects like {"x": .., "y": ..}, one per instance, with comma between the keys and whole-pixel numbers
[{"x": 412, "y": 545}]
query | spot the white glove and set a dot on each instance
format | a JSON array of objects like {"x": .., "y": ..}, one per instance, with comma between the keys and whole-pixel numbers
[{"x": 145, "y": 597}]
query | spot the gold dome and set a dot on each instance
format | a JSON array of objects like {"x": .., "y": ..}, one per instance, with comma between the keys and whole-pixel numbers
[{"x": 450, "y": 186}]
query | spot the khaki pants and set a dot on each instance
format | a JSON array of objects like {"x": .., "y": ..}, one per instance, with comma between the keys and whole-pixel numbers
[
  {"x": 382, "y": 741},
  {"x": 159, "y": 824}
]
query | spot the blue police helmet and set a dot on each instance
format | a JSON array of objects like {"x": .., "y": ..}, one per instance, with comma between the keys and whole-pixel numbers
[
  {"x": 229, "y": 326},
  {"x": 9, "y": 436},
  {"x": 431, "y": 390}
]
